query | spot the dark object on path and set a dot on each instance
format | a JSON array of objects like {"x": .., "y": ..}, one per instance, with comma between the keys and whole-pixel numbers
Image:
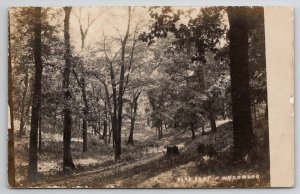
[
  {"x": 210, "y": 150},
  {"x": 206, "y": 150},
  {"x": 201, "y": 149},
  {"x": 172, "y": 151}
]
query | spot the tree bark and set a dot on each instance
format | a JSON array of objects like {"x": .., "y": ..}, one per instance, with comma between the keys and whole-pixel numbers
[
  {"x": 27, "y": 112},
  {"x": 84, "y": 135},
  {"x": 36, "y": 101},
  {"x": 193, "y": 130},
  {"x": 254, "y": 111},
  {"x": 121, "y": 91},
  {"x": 243, "y": 136},
  {"x": 160, "y": 133},
  {"x": 133, "y": 116},
  {"x": 108, "y": 108},
  {"x": 67, "y": 156},
  {"x": 104, "y": 135},
  {"x": 212, "y": 121},
  {"x": 115, "y": 103},
  {"x": 11, "y": 142},
  {"x": 40, "y": 133},
  {"x": 85, "y": 112},
  {"x": 22, "y": 119}
]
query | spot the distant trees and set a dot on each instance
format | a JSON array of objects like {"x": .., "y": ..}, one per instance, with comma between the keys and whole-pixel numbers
[{"x": 199, "y": 50}]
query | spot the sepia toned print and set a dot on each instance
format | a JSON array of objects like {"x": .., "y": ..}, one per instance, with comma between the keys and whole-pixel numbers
[{"x": 138, "y": 97}]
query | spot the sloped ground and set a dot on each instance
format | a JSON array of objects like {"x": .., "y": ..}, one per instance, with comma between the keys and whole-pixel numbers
[{"x": 143, "y": 165}]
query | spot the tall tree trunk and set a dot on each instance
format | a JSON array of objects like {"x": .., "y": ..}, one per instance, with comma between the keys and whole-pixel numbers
[
  {"x": 40, "y": 132},
  {"x": 121, "y": 91},
  {"x": 109, "y": 132},
  {"x": 36, "y": 101},
  {"x": 27, "y": 112},
  {"x": 22, "y": 119},
  {"x": 104, "y": 135},
  {"x": 254, "y": 111},
  {"x": 114, "y": 122},
  {"x": 84, "y": 135},
  {"x": 160, "y": 132},
  {"x": 85, "y": 112},
  {"x": 82, "y": 41},
  {"x": 193, "y": 130},
  {"x": 133, "y": 116},
  {"x": 67, "y": 156},
  {"x": 224, "y": 111},
  {"x": 243, "y": 137},
  {"x": 212, "y": 121},
  {"x": 11, "y": 141}
]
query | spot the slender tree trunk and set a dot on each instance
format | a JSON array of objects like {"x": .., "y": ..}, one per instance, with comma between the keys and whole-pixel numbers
[
  {"x": 104, "y": 136},
  {"x": 56, "y": 110},
  {"x": 243, "y": 136},
  {"x": 84, "y": 135},
  {"x": 203, "y": 132},
  {"x": 108, "y": 108},
  {"x": 212, "y": 121},
  {"x": 165, "y": 125},
  {"x": 11, "y": 141},
  {"x": 133, "y": 116},
  {"x": 27, "y": 113},
  {"x": 254, "y": 110},
  {"x": 40, "y": 133},
  {"x": 224, "y": 111},
  {"x": 160, "y": 131},
  {"x": 114, "y": 113},
  {"x": 193, "y": 130},
  {"x": 109, "y": 132},
  {"x": 82, "y": 41},
  {"x": 36, "y": 101},
  {"x": 22, "y": 119},
  {"x": 67, "y": 156},
  {"x": 121, "y": 91},
  {"x": 85, "y": 112}
]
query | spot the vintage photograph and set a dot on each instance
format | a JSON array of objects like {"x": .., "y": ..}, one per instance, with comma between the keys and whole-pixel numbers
[{"x": 137, "y": 97}]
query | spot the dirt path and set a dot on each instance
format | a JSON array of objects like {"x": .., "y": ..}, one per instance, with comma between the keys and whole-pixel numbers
[
  {"x": 119, "y": 175},
  {"x": 105, "y": 174}
]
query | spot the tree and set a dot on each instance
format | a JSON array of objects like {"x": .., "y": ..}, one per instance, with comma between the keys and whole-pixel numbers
[
  {"x": 198, "y": 38},
  {"x": 118, "y": 77},
  {"x": 11, "y": 149},
  {"x": 36, "y": 101},
  {"x": 133, "y": 112},
  {"x": 243, "y": 135},
  {"x": 22, "y": 119},
  {"x": 67, "y": 156},
  {"x": 121, "y": 90}
]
